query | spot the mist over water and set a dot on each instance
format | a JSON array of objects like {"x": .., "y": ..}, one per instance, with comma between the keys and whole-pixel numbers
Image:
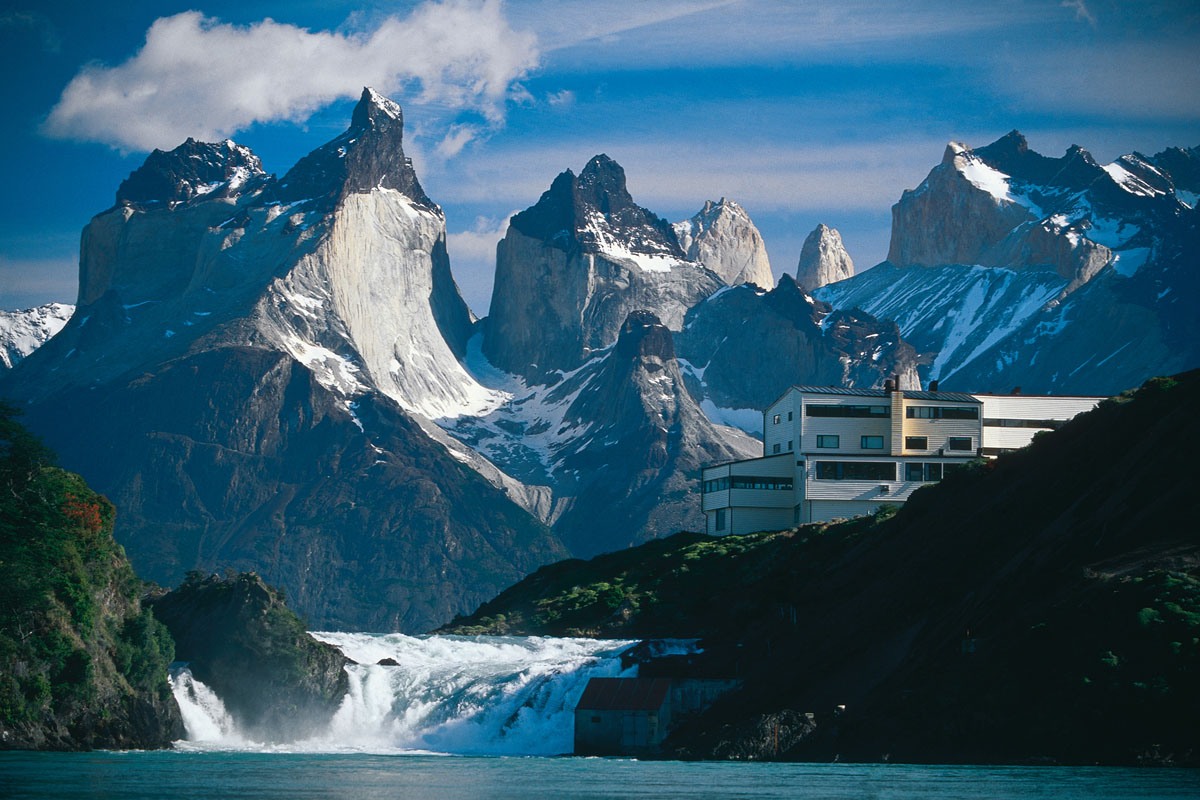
[{"x": 486, "y": 695}]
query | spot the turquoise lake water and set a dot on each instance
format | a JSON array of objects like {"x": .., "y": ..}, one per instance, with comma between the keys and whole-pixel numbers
[{"x": 374, "y": 777}]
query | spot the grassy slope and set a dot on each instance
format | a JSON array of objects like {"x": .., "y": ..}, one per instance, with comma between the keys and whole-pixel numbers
[{"x": 1070, "y": 568}]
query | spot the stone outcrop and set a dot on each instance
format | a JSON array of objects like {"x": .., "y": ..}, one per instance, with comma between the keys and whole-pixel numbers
[
  {"x": 240, "y": 639},
  {"x": 823, "y": 259},
  {"x": 572, "y": 267},
  {"x": 722, "y": 237}
]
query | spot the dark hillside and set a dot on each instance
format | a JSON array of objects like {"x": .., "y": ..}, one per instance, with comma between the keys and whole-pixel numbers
[{"x": 1042, "y": 606}]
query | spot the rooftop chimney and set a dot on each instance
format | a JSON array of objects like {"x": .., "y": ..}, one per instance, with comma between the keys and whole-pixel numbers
[{"x": 933, "y": 385}]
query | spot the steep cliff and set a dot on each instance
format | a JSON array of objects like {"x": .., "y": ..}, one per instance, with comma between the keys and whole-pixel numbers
[
  {"x": 82, "y": 664},
  {"x": 722, "y": 237},
  {"x": 573, "y": 266}
]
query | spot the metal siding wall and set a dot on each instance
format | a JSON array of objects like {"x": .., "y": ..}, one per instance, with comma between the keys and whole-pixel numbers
[{"x": 751, "y": 520}]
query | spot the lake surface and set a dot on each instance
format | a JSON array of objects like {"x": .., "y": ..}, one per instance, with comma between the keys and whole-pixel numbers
[{"x": 358, "y": 776}]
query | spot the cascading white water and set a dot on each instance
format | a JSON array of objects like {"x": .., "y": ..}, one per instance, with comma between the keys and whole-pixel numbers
[
  {"x": 486, "y": 695},
  {"x": 204, "y": 715}
]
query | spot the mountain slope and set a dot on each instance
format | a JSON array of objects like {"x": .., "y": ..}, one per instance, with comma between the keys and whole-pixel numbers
[
  {"x": 1008, "y": 268},
  {"x": 245, "y": 371},
  {"x": 1042, "y": 606}
]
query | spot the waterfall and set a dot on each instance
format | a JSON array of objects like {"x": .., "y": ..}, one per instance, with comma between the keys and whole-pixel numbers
[
  {"x": 204, "y": 715},
  {"x": 483, "y": 695}
]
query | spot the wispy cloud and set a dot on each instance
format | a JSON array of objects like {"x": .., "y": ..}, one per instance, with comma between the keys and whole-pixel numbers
[
  {"x": 36, "y": 24},
  {"x": 473, "y": 256},
  {"x": 1082, "y": 13},
  {"x": 198, "y": 76}
]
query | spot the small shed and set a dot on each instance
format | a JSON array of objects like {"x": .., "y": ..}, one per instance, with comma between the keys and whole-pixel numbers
[{"x": 622, "y": 716}]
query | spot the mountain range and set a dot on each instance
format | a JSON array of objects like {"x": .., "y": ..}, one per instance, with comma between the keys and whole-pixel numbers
[{"x": 279, "y": 373}]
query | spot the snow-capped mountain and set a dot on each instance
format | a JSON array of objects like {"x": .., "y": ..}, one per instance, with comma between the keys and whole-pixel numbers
[
  {"x": 250, "y": 372},
  {"x": 823, "y": 259},
  {"x": 22, "y": 332},
  {"x": 572, "y": 267},
  {"x": 1008, "y": 268},
  {"x": 722, "y": 237}
]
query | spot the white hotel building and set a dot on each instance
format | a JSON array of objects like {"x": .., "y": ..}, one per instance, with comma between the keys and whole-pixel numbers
[{"x": 830, "y": 452}]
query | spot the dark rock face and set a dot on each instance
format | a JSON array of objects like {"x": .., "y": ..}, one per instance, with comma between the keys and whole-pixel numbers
[
  {"x": 571, "y": 269},
  {"x": 645, "y": 441},
  {"x": 367, "y": 156},
  {"x": 190, "y": 170},
  {"x": 751, "y": 346},
  {"x": 239, "y": 638},
  {"x": 267, "y": 470}
]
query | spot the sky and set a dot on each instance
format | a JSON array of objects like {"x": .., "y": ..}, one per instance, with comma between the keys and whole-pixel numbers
[{"x": 802, "y": 112}]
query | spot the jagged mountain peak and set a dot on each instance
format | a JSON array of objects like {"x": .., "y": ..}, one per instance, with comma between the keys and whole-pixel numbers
[
  {"x": 724, "y": 239},
  {"x": 368, "y": 156},
  {"x": 374, "y": 110},
  {"x": 193, "y": 169},
  {"x": 823, "y": 259}
]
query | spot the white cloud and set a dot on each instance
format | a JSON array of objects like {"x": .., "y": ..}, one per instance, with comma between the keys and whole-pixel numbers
[
  {"x": 197, "y": 76},
  {"x": 561, "y": 99},
  {"x": 458, "y": 137}
]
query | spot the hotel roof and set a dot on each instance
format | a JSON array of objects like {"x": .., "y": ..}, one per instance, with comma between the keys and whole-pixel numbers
[{"x": 912, "y": 394}]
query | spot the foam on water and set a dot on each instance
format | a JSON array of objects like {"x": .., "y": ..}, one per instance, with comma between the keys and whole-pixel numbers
[{"x": 485, "y": 695}]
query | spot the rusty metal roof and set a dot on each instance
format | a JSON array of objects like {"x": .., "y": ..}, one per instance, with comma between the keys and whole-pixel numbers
[{"x": 625, "y": 694}]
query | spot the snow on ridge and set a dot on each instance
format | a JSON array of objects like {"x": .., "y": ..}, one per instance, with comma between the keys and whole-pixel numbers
[
  {"x": 1130, "y": 182},
  {"x": 22, "y": 332},
  {"x": 991, "y": 180}
]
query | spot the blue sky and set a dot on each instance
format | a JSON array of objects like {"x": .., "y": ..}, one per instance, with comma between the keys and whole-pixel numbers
[{"x": 803, "y": 112}]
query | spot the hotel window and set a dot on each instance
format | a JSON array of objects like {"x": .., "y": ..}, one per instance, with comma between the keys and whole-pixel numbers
[
  {"x": 720, "y": 522},
  {"x": 941, "y": 412},
  {"x": 933, "y": 472},
  {"x": 776, "y": 420},
  {"x": 789, "y": 445},
  {"x": 789, "y": 416},
  {"x": 916, "y": 442},
  {"x": 914, "y": 472},
  {"x": 775, "y": 447},
  {"x": 829, "y": 442},
  {"x": 828, "y": 410},
  {"x": 871, "y": 443},
  {"x": 960, "y": 443},
  {"x": 856, "y": 470}
]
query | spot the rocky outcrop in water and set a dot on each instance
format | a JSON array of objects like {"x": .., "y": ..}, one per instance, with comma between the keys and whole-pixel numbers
[
  {"x": 722, "y": 237},
  {"x": 239, "y": 637},
  {"x": 823, "y": 259}
]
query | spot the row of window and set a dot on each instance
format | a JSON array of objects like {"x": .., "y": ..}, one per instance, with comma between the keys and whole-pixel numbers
[
  {"x": 833, "y": 442},
  {"x": 1052, "y": 424},
  {"x": 746, "y": 482},
  {"x": 847, "y": 411},
  {"x": 777, "y": 420},
  {"x": 880, "y": 471},
  {"x": 941, "y": 412},
  {"x": 775, "y": 448}
]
